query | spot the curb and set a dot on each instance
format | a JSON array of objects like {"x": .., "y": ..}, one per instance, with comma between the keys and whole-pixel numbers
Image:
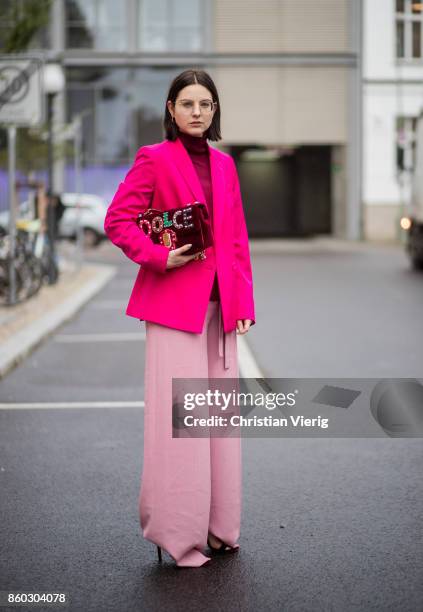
[
  {"x": 319, "y": 244},
  {"x": 13, "y": 351}
]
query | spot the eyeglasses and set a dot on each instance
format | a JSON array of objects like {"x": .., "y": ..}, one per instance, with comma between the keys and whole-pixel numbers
[{"x": 206, "y": 106}]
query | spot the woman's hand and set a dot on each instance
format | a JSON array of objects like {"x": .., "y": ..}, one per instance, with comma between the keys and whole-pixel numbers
[
  {"x": 176, "y": 259},
  {"x": 243, "y": 325}
]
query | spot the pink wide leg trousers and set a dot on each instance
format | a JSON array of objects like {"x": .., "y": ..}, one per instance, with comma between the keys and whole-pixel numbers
[{"x": 189, "y": 486}]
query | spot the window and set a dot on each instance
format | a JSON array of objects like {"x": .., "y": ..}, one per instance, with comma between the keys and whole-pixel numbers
[
  {"x": 96, "y": 24},
  {"x": 123, "y": 109},
  {"x": 406, "y": 143},
  {"x": 409, "y": 19},
  {"x": 170, "y": 25}
]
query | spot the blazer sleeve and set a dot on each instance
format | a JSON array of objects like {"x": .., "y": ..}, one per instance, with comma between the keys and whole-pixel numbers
[
  {"x": 133, "y": 196},
  {"x": 245, "y": 301}
]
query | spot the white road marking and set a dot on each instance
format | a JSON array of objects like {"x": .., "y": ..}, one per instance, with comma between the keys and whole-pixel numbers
[
  {"x": 110, "y": 337},
  {"x": 88, "y": 404},
  {"x": 248, "y": 367}
]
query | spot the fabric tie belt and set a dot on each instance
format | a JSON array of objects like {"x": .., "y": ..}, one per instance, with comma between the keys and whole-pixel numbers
[{"x": 223, "y": 337}]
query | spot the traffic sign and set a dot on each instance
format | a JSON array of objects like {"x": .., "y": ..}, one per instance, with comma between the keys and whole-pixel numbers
[{"x": 21, "y": 91}]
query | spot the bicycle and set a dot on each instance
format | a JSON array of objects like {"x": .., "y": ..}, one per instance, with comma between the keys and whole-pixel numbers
[{"x": 28, "y": 266}]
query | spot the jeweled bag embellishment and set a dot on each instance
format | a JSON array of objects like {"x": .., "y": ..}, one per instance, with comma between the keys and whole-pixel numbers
[{"x": 168, "y": 239}]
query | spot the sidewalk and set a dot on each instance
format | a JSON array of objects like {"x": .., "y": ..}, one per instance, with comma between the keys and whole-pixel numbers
[
  {"x": 24, "y": 326},
  {"x": 320, "y": 243}
]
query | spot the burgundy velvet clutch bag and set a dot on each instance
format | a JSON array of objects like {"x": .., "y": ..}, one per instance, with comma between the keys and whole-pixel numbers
[{"x": 178, "y": 226}]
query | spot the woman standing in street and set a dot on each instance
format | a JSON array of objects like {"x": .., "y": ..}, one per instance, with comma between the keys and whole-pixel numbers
[{"x": 190, "y": 494}]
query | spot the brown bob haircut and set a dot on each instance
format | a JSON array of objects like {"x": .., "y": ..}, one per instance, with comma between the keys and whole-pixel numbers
[{"x": 192, "y": 77}]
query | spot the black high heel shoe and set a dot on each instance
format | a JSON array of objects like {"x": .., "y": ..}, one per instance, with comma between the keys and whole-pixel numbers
[
  {"x": 159, "y": 552},
  {"x": 223, "y": 548}
]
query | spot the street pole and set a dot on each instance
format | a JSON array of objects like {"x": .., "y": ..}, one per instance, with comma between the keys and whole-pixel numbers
[
  {"x": 11, "y": 146},
  {"x": 78, "y": 188},
  {"x": 52, "y": 268}
]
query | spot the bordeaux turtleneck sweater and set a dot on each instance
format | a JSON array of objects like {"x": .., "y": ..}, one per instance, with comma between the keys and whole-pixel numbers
[{"x": 198, "y": 150}]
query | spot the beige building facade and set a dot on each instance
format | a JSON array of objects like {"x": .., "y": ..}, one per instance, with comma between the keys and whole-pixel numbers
[{"x": 289, "y": 73}]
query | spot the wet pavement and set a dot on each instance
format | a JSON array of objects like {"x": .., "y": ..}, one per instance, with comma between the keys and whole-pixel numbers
[{"x": 327, "y": 524}]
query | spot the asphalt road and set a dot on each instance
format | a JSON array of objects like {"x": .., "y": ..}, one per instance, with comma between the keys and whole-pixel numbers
[{"x": 328, "y": 524}]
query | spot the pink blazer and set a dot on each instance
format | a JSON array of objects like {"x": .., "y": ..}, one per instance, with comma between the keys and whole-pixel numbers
[{"x": 163, "y": 176}]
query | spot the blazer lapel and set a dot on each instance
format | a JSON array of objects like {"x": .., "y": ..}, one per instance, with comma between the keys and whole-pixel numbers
[
  {"x": 182, "y": 160},
  {"x": 218, "y": 187}
]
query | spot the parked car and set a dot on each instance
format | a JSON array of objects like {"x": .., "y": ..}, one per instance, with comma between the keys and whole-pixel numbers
[{"x": 91, "y": 215}]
